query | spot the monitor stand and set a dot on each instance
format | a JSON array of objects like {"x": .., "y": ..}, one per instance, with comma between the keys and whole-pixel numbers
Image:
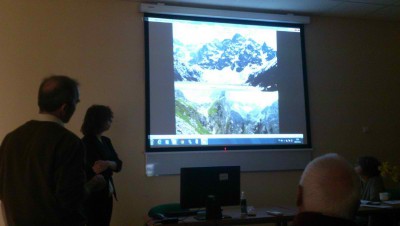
[{"x": 202, "y": 215}]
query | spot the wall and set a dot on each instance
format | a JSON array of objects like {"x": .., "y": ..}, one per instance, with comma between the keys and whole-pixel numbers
[{"x": 353, "y": 73}]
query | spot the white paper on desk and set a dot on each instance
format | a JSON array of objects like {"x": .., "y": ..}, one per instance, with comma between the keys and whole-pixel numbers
[
  {"x": 376, "y": 206},
  {"x": 364, "y": 202},
  {"x": 392, "y": 202}
]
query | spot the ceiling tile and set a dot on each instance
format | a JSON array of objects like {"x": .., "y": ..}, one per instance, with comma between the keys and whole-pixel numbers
[
  {"x": 354, "y": 9},
  {"x": 374, "y": 2},
  {"x": 304, "y": 6},
  {"x": 391, "y": 12}
]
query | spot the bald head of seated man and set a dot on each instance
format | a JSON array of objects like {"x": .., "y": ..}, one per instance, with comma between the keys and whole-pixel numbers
[{"x": 328, "y": 192}]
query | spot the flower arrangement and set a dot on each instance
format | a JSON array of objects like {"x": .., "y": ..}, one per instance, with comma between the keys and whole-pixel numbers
[{"x": 390, "y": 170}]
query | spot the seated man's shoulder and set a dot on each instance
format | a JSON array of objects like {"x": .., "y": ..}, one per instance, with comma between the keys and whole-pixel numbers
[{"x": 318, "y": 219}]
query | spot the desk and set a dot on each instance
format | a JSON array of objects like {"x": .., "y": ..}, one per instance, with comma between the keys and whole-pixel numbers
[
  {"x": 363, "y": 211},
  {"x": 374, "y": 214},
  {"x": 261, "y": 217}
]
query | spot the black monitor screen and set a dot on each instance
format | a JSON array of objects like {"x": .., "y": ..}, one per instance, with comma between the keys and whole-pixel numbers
[{"x": 197, "y": 183}]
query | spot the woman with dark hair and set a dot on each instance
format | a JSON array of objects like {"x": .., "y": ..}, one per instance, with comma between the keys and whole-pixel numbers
[
  {"x": 101, "y": 158},
  {"x": 371, "y": 180}
]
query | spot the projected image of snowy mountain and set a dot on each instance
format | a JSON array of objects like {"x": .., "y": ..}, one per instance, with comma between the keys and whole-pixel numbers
[{"x": 225, "y": 79}]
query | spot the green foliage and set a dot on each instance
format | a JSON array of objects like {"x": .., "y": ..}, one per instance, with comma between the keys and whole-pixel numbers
[{"x": 189, "y": 114}]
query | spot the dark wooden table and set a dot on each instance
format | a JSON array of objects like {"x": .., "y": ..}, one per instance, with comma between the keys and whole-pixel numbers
[
  {"x": 288, "y": 213},
  {"x": 261, "y": 216},
  {"x": 391, "y": 215}
]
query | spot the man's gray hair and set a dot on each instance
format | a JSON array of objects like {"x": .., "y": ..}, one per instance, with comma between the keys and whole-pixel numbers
[{"x": 331, "y": 187}]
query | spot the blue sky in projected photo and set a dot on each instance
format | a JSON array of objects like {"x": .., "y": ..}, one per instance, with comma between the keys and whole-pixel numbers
[{"x": 203, "y": 32}]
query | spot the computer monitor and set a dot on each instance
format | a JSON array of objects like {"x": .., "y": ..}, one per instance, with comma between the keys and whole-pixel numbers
[{"x": 197, "y": 183}]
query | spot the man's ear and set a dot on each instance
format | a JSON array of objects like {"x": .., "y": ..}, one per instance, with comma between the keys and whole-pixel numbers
[
  {"x": 299, "y": 200},
  {"x": 64, "y": 112},
  {"x": 64, "y": 108}
]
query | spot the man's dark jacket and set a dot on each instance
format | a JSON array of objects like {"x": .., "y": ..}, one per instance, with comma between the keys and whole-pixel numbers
[{"x": 42, "y": 175}]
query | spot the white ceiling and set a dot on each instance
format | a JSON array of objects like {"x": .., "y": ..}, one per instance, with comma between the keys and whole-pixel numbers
[{"x": 373, "y": 9}]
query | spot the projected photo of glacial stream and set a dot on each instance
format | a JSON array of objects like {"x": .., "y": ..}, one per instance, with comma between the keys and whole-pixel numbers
[{"x": 225, "y": 80}]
